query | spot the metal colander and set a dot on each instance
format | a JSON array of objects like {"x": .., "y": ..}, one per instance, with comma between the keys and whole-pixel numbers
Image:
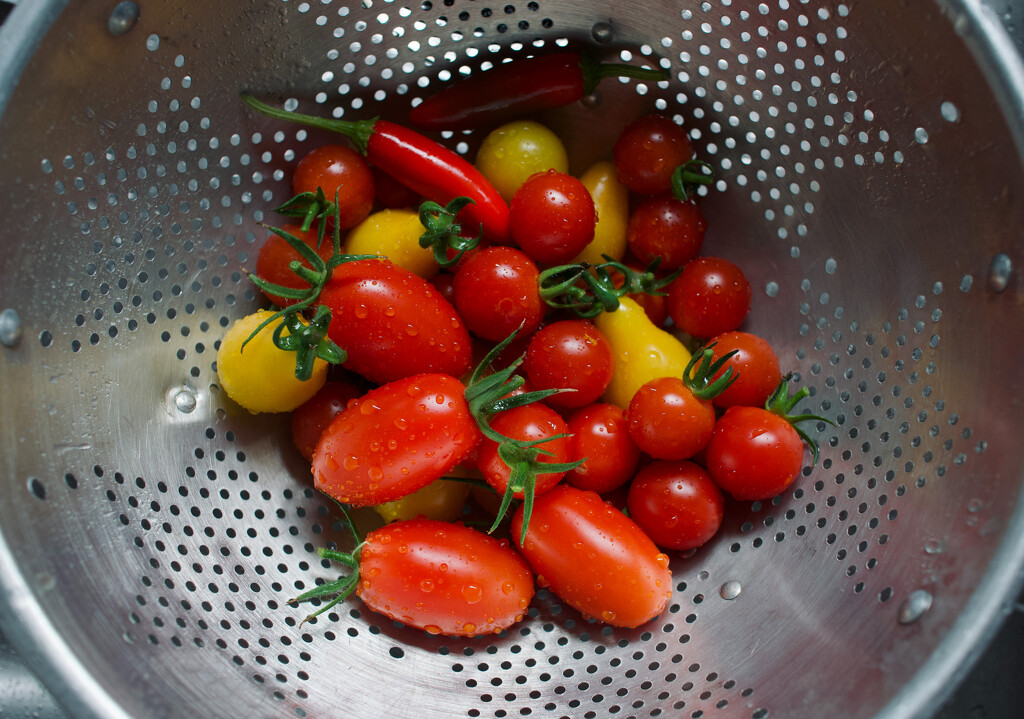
[{"x": 869, "y": 178}]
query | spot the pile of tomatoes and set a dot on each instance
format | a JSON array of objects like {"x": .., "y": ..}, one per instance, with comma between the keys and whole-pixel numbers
[{"x": 567, "y": 354}]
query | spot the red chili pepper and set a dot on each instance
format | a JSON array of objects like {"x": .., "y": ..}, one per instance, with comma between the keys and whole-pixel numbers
[
  {"x": 419, "y": 163},
  {"x": 519, "y": 88}
]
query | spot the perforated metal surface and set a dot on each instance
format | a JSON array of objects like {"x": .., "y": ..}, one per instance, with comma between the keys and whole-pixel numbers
[{"x": 152, "y": 530}]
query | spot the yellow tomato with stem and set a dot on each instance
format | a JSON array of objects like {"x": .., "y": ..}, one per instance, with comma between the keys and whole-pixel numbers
[
  {"x": 260, "y": 376},
  {"x": 394, "y": 234},
  {"x": 611, "y": 201},
  {"x": 514, "y": 152},
  {"x": 643, "y": 351}
]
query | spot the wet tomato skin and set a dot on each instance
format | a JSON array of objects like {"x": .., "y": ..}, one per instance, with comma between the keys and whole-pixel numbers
[
  {"x": 393, "y": 323},
  {"x": 755, "y": 366},
  {"x": 394, "y": 440},
  {"x": 594, "y": 557},
  {"x": 443, "y": 578},
  {"x": 647, "y": 152},
  {"x": 572, "y": 355},
  {"x": 532, "y": 422},
  {"x": 600, "y": 435},
  {"x": 552, "y": 217},
  {"x": 676, "y": 504},
  {"x": 496, "y": 291},
  {"x": 710, "y": 296},
  {"x": 753, "y": 454},
  {"x": 664, "y": 227},
  {"x": 342, "y": 170}
]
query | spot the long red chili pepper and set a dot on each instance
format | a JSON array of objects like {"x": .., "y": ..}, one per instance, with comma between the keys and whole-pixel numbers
[
  {"x": 419, "y": 163},
  {"x": 519, "y": 88}
]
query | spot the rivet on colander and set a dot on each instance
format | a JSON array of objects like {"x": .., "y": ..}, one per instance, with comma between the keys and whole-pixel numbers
[
  {"x": 10, "y": 328},
  {"x": 916, "y": 604},
  {"x": 602, "y": 32},
  {"x": 123, "y": 18},
  {"x": 185, "y": 400},
  {"x": 999, "y": 272},
  {"x": 730, "y": 589}
]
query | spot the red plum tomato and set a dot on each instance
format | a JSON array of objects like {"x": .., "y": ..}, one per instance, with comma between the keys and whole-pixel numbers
[
  {"x": 394, "y": 440},
  {"x": 443, "y": 578},
  {"x": 594, "y": 557},
  {"x": 676, "y": 504}
]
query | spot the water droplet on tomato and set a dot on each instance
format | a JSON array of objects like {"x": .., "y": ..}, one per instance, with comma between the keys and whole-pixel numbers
[
  {"x": 361, "y": 312},
  {"x": 389, "y": 311},
  {"x": 442, "y": 567},
  {"x": 469, "y": 628},
  {"x": 432, "y": 629},
  {"x": 472, "y": 593},
  {"x": 331, "y": 462},
  {"x": 349, "y": 463},
  {"x": 367, "y": 408},
  {"x": 400, "y": 423},
  {"x": 427, "y": 585},
  {"x": 392, "y": 444},
  {"x": 376, "y": 473},
  {"x": 411, "y": 331},
  {"x": 542, "y": 581},
  {"x": 508, "y": 588},
  {"x": 662, "y": 560},
  {"x": 403, "y": 548},
  {"x": 372, "y": 572}
]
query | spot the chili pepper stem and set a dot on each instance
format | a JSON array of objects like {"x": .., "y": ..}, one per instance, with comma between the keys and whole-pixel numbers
[
  {"x": 358, "y": 131},
  {"x": 594, "y": 71}
]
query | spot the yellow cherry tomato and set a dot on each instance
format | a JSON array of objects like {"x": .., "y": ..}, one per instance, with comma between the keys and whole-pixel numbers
[
  {"x": 611, "y": 200},
  {"x": 514, "y": 152},
  {"x": 643, "y": 351},
  {"x": 395, "y": 234},
  {"x": 442, "y": 499},
  {"x": 261, "y": 377}
]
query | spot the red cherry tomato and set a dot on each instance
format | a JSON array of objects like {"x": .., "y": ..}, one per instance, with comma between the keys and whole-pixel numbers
[
  {"x": 710, "y": 296},
  {"x": 496, "y": 292},
  {"x": 310, "y": 419},
  {"x": 662, "y": 226},
  {"x": 275, "y": 255},
  {"x": 755, "y": 366},
  {"x": 676, "y": 504},
  {"x": 570, "y": 354},
  {"x": 753, "y": 454},
  {"x": 443, "y": 578},
  {"x": 530, "y": 422},
  {"x": 600, "y": 434},
  {"x": 648, "y": 151},
  {"x": 667, "y": 421},
  {"x": 552, "y": 217},
  {"x": 394, "y": 440},
  {"x": 595, "y": 558},
  {"x": 337, "y": 168},
  {"x": 393, "y": 323}
]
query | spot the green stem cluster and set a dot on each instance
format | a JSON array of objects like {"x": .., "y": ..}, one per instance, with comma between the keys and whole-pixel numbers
[
  {"x": 588, "y": 290},
  {"x": 491, "y": 394},
  {"x": 443, "y": 233},
  {"x": 309, "y": 340},
  {"x": 780, "y": 402}
]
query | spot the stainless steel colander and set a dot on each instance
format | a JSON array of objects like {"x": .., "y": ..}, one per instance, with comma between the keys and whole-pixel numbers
[{"x": 869, "y": 182}]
